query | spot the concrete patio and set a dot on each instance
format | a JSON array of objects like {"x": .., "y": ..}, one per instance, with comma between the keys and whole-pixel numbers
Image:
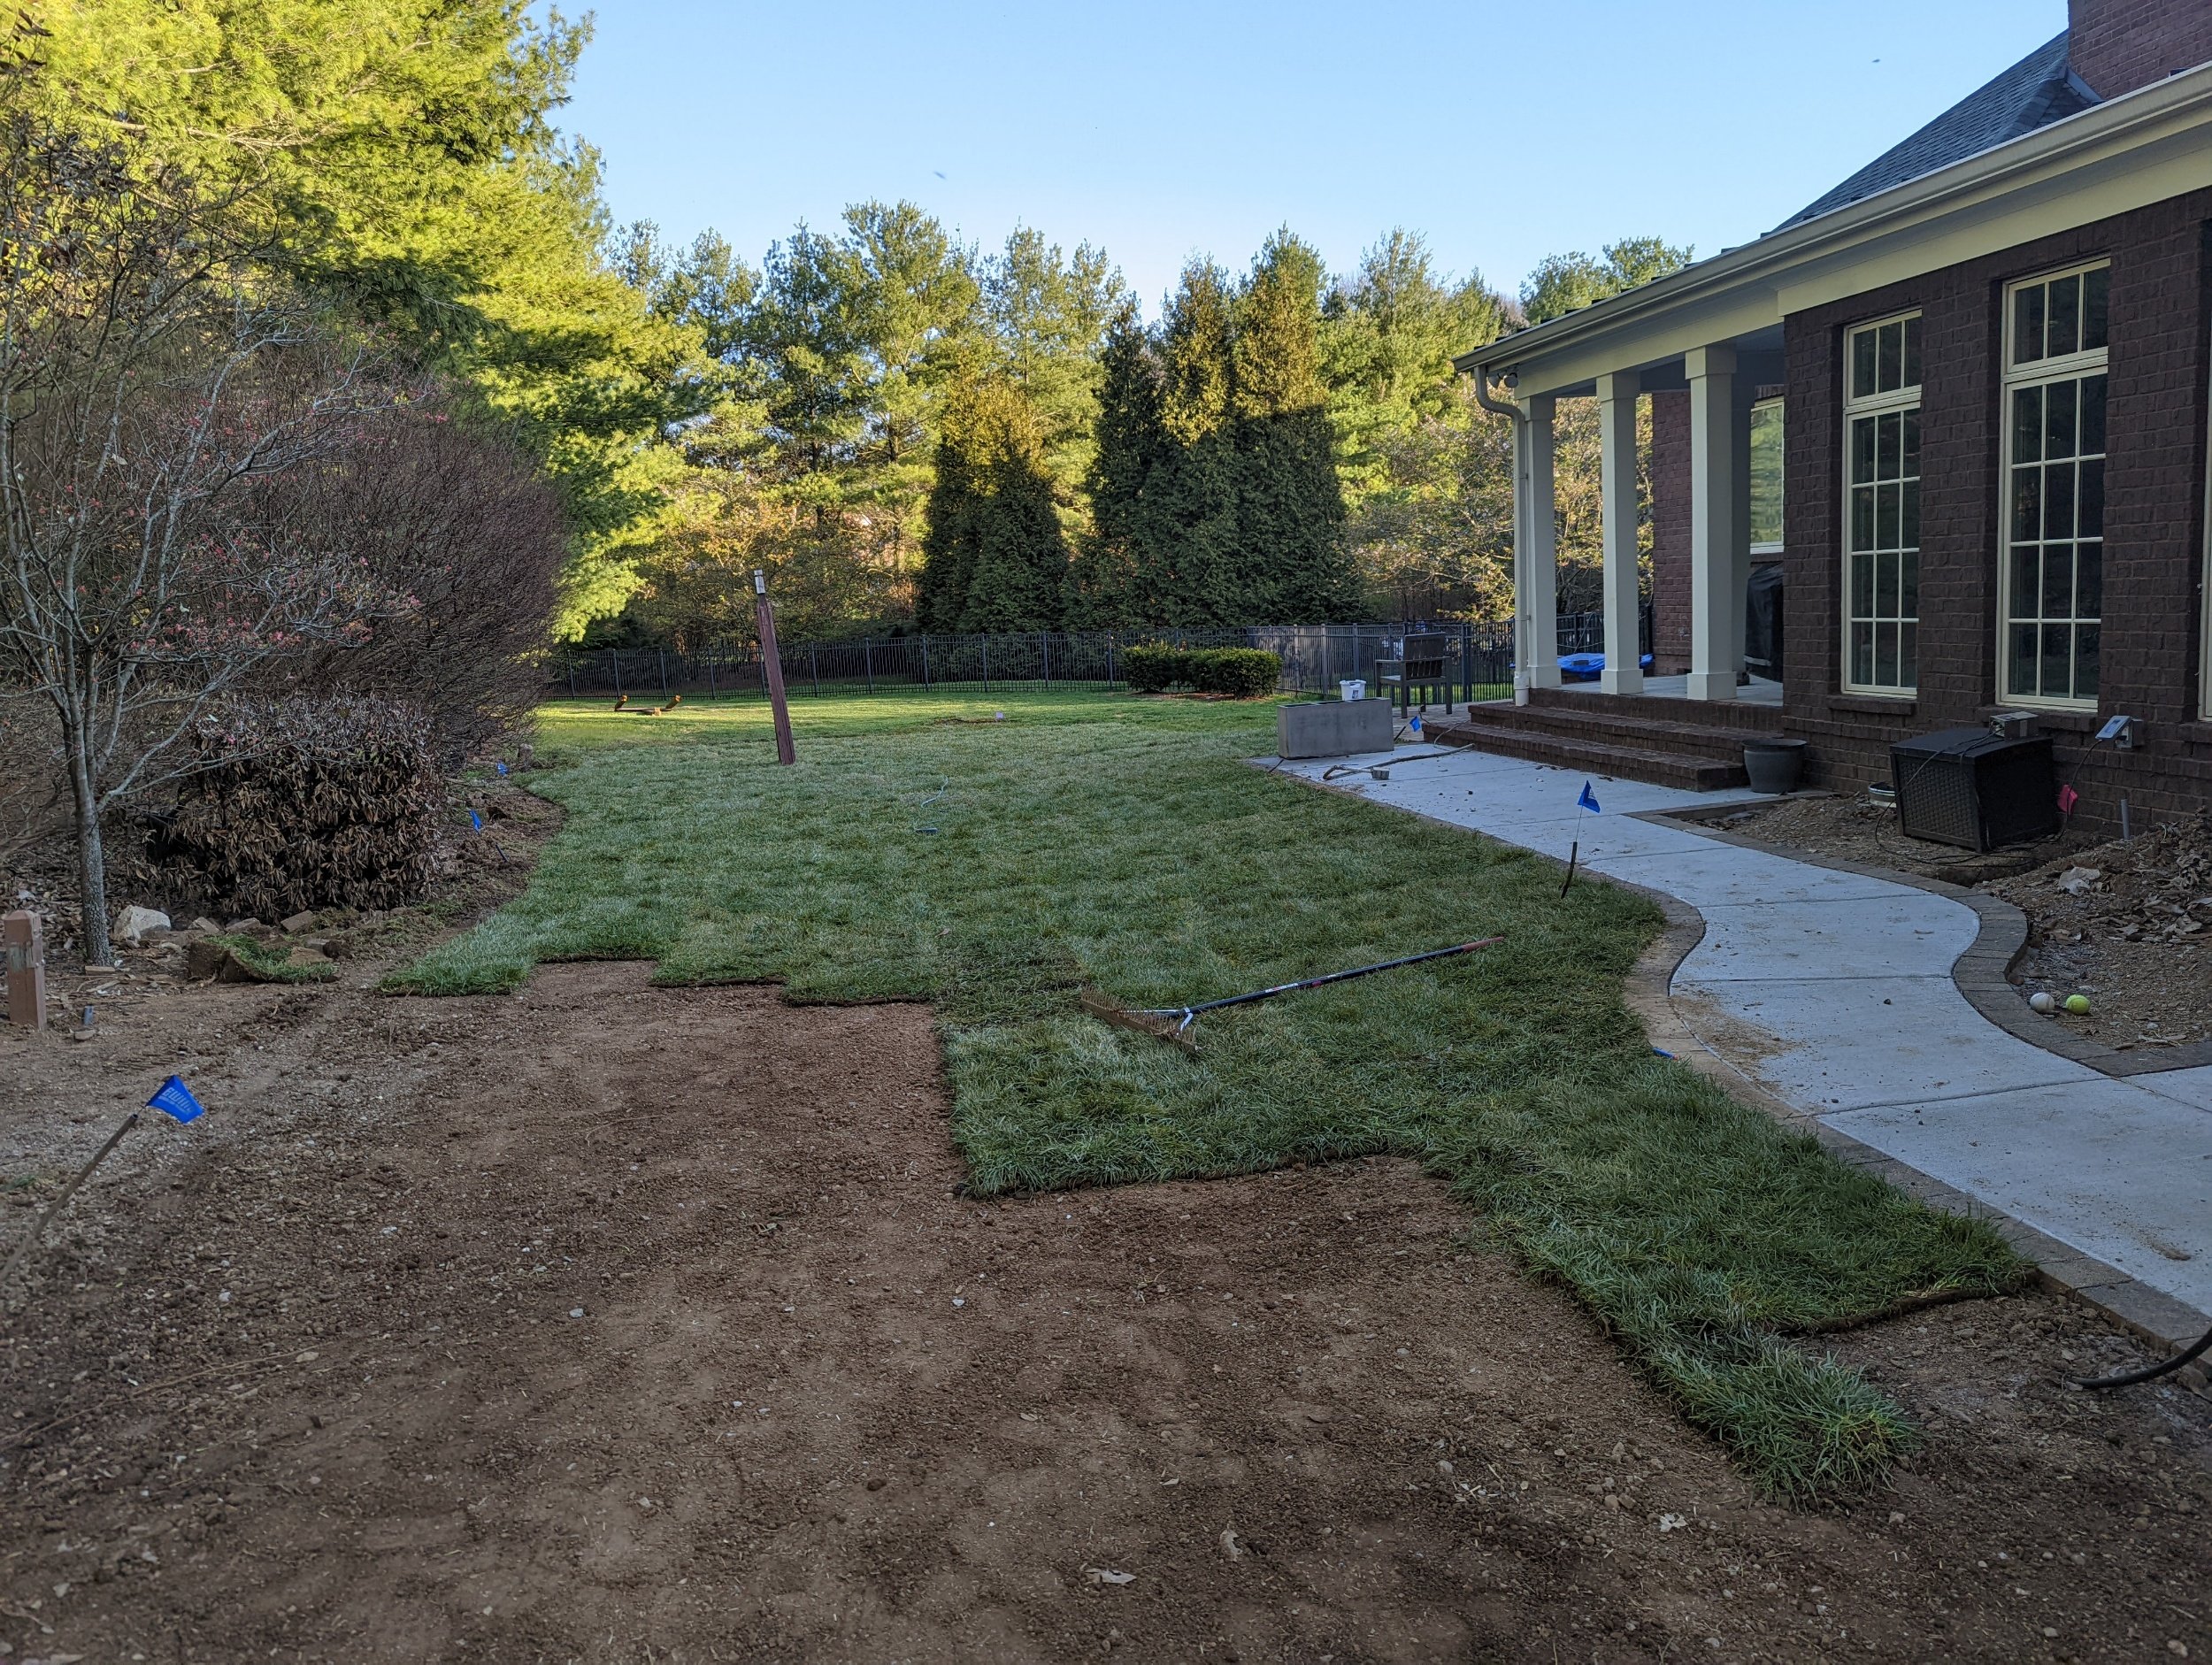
[{"x": 1832, "y": 993}]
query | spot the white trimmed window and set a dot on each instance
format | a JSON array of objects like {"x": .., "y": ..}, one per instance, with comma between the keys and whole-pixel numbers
[
  {"x": 2052, "y": 603},
  {"x": 1881, "y": 561}
]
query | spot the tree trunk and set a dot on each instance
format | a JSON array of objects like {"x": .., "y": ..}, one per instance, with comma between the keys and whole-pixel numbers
[{"x": 92, "y": 867}]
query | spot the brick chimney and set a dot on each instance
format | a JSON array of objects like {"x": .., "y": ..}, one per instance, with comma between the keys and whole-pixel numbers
[{"x": 2119, "y": 45}]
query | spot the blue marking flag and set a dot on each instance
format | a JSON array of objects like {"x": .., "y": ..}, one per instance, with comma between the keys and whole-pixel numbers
[
  {"x": 175, "y": 1100},
  {"x": 1588, "y": 800},
  {"x": 502, "y": 766},
  {"x": 476, "y": 820}
]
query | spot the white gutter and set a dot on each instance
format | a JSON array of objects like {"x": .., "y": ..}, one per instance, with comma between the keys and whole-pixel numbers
[{"x": 1523, "y": 487}]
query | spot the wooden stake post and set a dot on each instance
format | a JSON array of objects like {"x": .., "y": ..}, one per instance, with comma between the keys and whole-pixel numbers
[
  {"x": 771, "y": 665},
  {"x": 23, "y": 944}
]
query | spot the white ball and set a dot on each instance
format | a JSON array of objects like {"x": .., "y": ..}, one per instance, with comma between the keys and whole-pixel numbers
[{"x": 2042, "y": 1001}]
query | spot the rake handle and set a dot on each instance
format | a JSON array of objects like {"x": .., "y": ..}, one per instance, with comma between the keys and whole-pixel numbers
[{"x": 1186, "y": 1013}]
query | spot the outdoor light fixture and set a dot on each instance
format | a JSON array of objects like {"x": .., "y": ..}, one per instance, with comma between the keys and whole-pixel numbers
[{"x": 760, "y": 582}]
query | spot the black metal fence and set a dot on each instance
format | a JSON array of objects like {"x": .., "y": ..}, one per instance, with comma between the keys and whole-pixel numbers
[{"x": 1316, "y": 658}]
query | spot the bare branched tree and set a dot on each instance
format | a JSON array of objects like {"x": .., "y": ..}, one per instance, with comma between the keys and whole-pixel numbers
[{"x": 149, "y": 380}]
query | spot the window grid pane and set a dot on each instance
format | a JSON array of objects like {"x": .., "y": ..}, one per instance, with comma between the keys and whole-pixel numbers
[
  {"x": 1882, "y": 584},
  {"x": 2054, "y": 589},
  {"x": 2054, "y": 457}
]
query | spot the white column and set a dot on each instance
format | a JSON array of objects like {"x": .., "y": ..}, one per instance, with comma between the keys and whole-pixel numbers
[
  {"x": 1537, "y": 589},
  {"x": 1717, "y": 532},
  {"x": 1616, "y": 455}
]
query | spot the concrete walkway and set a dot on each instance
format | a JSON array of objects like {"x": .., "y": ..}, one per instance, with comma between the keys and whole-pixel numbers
[{"x": 1833, "y": 991}]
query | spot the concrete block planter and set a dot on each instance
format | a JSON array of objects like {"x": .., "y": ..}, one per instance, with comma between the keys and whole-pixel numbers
[{"x": 1334, "y": 728}]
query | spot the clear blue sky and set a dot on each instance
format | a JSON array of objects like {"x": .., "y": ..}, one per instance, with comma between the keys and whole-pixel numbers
[{"x": 1161, "y": 130}]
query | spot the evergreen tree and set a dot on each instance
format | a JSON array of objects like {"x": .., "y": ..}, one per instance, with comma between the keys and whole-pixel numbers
[
  {"x": 1131, "y": 443},
  {"x": 1185, "y": 539},
  {"x": 1565, "y": 283},
  {"x": 1289, "y": 559},
  {"x": 995, "y": 556}
]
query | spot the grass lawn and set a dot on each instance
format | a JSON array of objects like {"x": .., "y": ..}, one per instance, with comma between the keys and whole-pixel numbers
[{"x": 923, "y": 850}]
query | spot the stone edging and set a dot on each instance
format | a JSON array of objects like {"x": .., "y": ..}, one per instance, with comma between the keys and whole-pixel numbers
[
  {"x": 2149, "y": 1314},
  {"x": 1981, "y": 972}
]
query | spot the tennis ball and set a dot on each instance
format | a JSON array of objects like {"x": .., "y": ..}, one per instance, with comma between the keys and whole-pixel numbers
[
  {"x": 2077, "y": 1004},
  {"x": 2042, "y": 1001}
]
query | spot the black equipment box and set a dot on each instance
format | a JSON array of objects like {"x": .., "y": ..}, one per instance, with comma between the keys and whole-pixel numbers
[{"x": 1975, "y": 789}]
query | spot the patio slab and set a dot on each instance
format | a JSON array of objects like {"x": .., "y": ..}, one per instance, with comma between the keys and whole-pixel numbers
[{"x": 1833, "y": 991}]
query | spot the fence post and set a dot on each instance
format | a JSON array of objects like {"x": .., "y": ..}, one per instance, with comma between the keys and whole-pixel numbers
[
  {"x": 868, "y": 664},
  {"x": 711, "y": 653},
  {"x": 1113, "y": 671},
  {"x": 572, "y": 674},
  {"x": 924, "y": 662},
  {"x": 985, "y": 641},
  {"x": 663, "y": 654},
  {"x": 615, "y": 659},
  {"x": 1044, "y": 652},
  {"x": 814, "y": 667}
]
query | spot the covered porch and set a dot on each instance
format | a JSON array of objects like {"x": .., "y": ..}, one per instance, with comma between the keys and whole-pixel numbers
[{"x": 1723, "y": 379}]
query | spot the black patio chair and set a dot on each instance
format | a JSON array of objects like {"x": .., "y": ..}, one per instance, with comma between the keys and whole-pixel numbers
[{"x": 1424, "y": 662}]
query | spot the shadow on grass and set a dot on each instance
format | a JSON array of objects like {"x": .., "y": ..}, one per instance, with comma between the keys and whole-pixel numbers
[{"x": 994, "y": 867}]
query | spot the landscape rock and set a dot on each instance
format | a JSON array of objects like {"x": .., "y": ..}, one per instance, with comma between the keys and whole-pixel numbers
[
  {"x": 136, "y": 922},
  {"x": 205, "y": 926},
  {"x": 299, "y": 924}
]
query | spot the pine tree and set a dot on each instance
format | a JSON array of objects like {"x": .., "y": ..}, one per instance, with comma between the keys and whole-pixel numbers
[
  {"x": 948, "y": 538},
  {"x": 1130, "y": 444},
  {"x": 1289, "y": 559},
  {"x": 995, "y": 556},
  {"x": 1185, "y": 535}
]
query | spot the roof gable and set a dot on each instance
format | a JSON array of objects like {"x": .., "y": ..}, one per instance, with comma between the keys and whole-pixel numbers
[{"x": 2038, "y": 90}]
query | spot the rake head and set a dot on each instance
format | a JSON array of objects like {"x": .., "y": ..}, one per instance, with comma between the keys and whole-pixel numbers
[{"x": 1173, "y": 1027}]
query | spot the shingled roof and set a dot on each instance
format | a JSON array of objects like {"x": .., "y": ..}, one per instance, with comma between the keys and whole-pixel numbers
[{"x": 2038, "y": 90}]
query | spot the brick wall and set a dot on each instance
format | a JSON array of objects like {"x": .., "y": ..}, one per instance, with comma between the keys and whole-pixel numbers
[
  {"x": 1670, "y": 533},
  {"x": 2155, "y": 542},
  {"x": 2119, "y": 45}
]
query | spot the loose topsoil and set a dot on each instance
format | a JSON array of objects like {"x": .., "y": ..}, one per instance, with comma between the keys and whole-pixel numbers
[
  {"x": 614, "y": 1322},
  {"x": 2126, "y": 924}
]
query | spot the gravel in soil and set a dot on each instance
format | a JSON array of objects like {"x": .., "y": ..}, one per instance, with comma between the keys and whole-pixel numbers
[
  {"x": 2127, "y": 925},
  {"x": 610, "y": 1321}
]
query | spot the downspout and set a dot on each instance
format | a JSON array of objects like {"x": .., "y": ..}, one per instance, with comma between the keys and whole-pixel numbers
[{"x": 1523, "y": 489}]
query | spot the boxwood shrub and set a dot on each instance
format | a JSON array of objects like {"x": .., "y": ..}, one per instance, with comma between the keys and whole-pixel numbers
[
  {"x": 1152, "y": 668},
  {"x": 1241, "y": 672}
]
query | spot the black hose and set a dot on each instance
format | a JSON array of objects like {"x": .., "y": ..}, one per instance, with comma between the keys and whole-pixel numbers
[{"x": 2151, "y": 1373}]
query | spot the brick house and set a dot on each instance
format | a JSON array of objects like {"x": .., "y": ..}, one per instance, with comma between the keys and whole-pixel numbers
[{"x": 1959, "y": 405}]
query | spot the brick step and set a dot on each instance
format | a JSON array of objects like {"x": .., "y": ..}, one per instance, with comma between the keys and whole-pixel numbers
[
  {"x": 1639, "y": 733},
  {"x": 1729, "y": 714},
  {"x": 1628, "y": 762}
]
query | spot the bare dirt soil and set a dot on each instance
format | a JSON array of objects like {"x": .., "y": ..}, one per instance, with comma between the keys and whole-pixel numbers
[
  {"x": 2127, "y": 925},
  {"x": 608, "y": 1322}
]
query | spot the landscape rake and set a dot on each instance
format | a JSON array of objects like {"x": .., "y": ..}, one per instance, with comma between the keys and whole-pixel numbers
[{"x": 1173, "y": 1024}]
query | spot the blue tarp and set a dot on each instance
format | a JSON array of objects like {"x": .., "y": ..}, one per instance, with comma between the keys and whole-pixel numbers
[{"x": 1584, "y": 667}]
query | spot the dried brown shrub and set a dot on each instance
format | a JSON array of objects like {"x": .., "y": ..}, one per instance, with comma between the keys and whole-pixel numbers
[{"x": 308, "y": 804}]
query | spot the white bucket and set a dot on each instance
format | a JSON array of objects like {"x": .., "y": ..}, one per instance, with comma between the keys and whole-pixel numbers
[{"x": 1354, "y": 689}]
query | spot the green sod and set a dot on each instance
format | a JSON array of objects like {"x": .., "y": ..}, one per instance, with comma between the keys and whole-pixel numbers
[{"x": 1122, "y": 842}]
